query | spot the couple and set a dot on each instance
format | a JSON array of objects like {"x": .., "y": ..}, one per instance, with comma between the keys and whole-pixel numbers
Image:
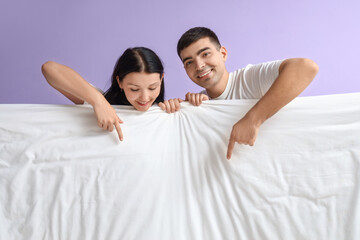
[{"x": 138, "y": 80}]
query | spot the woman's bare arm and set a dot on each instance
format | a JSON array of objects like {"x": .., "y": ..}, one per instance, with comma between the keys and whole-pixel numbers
[
  {"x": 70, "y": 83},
  {"x": 78, "y": 90}
]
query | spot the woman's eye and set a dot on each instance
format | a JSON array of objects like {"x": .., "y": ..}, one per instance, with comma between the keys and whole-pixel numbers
[
  {"x": 134, "y": 90},
  {"x": 152, "y": 89}
]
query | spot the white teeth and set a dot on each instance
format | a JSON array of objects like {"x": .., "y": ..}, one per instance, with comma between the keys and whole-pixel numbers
[{"x": 205, "y": 74}]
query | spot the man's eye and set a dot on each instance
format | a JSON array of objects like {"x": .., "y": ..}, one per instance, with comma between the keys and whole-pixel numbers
[
  {"x": 188, "y": 63},
  {"x": 206, "y": 54}
]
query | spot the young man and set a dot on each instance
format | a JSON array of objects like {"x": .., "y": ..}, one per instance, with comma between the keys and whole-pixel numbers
[{"x": 275, "y": 83}]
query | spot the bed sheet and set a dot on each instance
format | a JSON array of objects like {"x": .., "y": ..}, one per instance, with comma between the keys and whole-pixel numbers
[{"x": 62, "y": 177}]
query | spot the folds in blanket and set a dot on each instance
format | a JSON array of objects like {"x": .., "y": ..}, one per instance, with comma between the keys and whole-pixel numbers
[{"x": 62, "y": 176}]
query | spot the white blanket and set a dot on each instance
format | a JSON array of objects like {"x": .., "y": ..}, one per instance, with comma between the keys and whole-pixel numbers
[{"x": 62, "y": 177}]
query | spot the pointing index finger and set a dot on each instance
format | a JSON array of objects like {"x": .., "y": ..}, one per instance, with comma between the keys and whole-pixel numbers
[
  {"x": 118, "y": 129},
  {"x": 230, "y": 149}
]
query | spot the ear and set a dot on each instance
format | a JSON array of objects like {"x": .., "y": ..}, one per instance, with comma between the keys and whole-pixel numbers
[
  {"x": 118, "y": 81},
  {"x": 224, "y": 53}
]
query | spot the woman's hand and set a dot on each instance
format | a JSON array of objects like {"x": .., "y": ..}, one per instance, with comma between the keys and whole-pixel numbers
[
  {"x": 107, "y": 117},
  {"x": 171, "y": 105},
  {"x": 196, "y": 98}
]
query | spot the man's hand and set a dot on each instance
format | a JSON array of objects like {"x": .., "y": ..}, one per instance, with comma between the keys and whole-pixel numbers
[
  {"x": 196, "y": 98},
  {"x": 243, "y": 132},
  {"x": 294, "y": 76}
]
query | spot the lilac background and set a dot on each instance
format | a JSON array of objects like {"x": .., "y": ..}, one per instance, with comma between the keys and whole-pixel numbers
[{"x": 90, "y": 35}]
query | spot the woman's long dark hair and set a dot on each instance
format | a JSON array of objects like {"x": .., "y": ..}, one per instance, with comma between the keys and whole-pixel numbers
[{"x": 138, "y": 59}]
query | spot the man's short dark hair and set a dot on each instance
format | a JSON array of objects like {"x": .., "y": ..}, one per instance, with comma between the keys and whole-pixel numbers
[{"x": 194, "y": 34}]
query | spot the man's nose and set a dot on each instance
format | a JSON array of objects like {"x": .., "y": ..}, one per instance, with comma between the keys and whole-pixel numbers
[{"x": 199, "y": 64}]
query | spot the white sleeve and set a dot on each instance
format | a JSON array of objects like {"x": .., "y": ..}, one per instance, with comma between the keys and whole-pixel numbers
[{"x": 259, "y": 78}]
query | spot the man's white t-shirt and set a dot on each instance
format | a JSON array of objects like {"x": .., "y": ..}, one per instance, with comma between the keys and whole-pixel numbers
[{"x": 251, "y": 82}]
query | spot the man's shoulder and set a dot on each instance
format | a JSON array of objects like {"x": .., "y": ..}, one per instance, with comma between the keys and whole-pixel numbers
[
  {"x": 274, "y": 64},
  {"x": 266, "y": 63}
]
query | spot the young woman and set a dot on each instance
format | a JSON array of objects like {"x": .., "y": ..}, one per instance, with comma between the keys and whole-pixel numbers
[{"x": 137, "y": 80}]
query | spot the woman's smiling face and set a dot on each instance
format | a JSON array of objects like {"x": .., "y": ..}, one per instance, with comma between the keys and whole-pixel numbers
[{"x": 141, "y": 89}]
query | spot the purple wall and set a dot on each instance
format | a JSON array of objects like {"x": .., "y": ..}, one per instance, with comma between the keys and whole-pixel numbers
[{"x": 90, "y": 35}]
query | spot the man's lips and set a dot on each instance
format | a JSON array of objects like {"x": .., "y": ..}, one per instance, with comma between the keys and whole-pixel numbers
[{"x": 204, "y": 74}]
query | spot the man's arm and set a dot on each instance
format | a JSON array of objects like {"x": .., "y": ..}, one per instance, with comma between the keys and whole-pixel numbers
[{"x": 294, "y": 76}]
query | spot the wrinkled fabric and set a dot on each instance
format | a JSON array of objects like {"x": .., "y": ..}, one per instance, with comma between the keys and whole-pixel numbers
[{"x": 62, "y": 177}]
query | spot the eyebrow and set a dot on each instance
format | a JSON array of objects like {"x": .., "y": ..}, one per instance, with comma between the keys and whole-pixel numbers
[
  {"x": 197, "y": 53},
  {"x": 139, "y": 86}
]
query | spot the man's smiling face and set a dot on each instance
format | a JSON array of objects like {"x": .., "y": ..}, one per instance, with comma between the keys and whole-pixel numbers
[{"x": 204, "y": 62}]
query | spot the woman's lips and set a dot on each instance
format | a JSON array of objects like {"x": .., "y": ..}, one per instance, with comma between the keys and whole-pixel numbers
[{"x": 142, "y": 104}]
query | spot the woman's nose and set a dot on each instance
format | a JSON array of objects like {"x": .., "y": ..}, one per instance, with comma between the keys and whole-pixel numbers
[{"x": 144, "y": 96}]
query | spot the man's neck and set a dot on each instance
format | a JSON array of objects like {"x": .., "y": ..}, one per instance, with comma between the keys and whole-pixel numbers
[{"x": 220, "y": 87}]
